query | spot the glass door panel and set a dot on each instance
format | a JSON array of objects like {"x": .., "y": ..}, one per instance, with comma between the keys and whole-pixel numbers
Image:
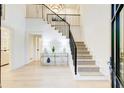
[
  {"x": 115, "y": 46},
  {"x": 122, "y": 45}
]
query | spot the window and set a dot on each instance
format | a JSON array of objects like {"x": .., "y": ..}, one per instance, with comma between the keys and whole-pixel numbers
[
  {"x": 122, "y": 44},
  {"x": 117, "y": 24}
]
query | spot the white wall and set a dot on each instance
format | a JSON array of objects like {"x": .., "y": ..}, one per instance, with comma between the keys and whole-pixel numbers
[
  {"x": 76, "y": 32},
  {"x": 35, "y": 12},
  {"x": 96, "y": 32},
  {"x": 21, "y": 29},
  {"x": 69, "y": 11},
  {"x": 50, "y": 36},
  {"x": 15, "y": 23}
]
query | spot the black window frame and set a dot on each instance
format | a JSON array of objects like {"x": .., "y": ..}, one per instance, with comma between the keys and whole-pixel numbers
[{"x": 116, "y": 81}]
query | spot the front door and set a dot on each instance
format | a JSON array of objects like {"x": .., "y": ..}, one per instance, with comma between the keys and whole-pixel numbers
[{"x": 117, "y": 61}]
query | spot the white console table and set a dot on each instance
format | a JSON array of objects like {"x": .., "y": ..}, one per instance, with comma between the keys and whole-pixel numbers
[{"x": 54, "y": 58}]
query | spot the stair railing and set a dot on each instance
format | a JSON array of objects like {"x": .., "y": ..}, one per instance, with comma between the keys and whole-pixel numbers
[{"x": 63, "y": 27}]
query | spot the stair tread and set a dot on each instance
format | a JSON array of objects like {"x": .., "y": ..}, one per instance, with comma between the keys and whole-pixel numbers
[
  {"x": 87, "y": 65},
  {"x": 84, "y": 56},
  {"x": 90, "y": 74},
  {"x": 80, "y": 45},
  {"x": 88, "y": 69},
  {"x": 83, "y": 53},
  {"x": 85, "y": 60},
  {"x": 79, "y": 42},
  {"x": 82, "y": 49}
]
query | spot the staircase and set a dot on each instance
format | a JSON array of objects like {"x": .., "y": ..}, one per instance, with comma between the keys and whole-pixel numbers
[{"x": 86, "y": 67}]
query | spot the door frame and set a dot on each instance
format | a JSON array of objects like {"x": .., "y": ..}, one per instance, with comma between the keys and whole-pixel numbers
[{"x": 35, "y": 45}]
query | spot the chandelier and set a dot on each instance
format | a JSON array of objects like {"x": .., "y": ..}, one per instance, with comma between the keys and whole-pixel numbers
[{"x": 56, "y": 7}]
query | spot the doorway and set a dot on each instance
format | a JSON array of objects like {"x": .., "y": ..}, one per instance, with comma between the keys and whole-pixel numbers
[{"x": 35, "y": 47}]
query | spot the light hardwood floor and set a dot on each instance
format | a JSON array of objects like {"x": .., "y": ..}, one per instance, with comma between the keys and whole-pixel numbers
[{"x": 34, "y": 75}]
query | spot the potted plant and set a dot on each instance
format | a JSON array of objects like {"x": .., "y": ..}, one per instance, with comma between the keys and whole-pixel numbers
[{"x": 53, "y": 49}]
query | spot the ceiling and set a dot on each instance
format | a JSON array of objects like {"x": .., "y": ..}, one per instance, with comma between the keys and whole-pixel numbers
[{"x": 74, "y": 7}]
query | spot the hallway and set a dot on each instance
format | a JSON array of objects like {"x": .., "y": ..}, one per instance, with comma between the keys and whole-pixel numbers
[{"x": 34, "y": 75}]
